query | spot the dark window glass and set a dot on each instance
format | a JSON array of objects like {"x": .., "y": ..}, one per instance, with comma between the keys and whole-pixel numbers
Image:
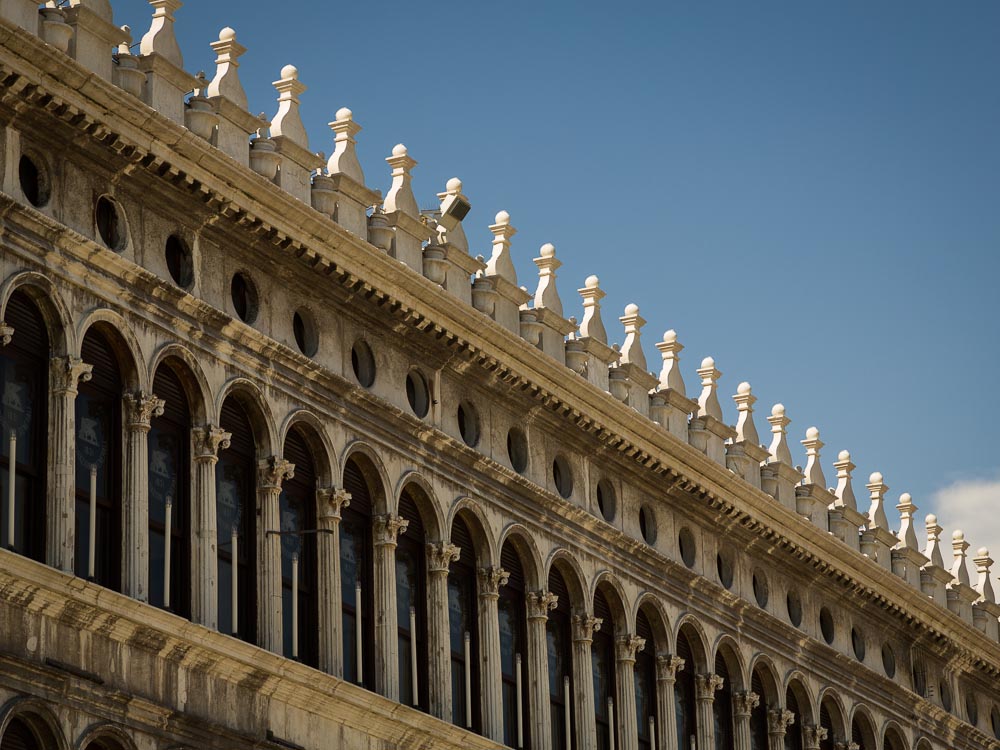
[
  {"x": 180, "y": 264},
  {"x": 558, "y": 646},
  {"x": 645, "y": 686},
  {"x": 602, "y": 656},
  {"x": 109, "y": 223},
  {"x": 299, "y": 569},
  {"x": 793, "y": 734},
  {"x": 684, "y": 696},
  {"x": 463, "y": 622},
  {"x": 356, "y": 575},
  {"x": 513, "y": 634},
  {"x": 758, "y": 716},
  {"x": 722, "y": 707},
  {"x": 411, "y": 606}
]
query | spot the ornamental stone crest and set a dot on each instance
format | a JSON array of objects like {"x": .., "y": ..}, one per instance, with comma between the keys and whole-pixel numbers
[{"x": 6, "y": 333}]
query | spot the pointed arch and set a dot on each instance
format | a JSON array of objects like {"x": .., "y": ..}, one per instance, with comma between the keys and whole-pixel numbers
[
  {"x": 524, "y": 544},
  {"x": 123, "y": 342},
  {"x": 189, "y": 371},
  {"x": 421, "y": 494},
  {"x": 39, "y": 719},
  {"x": 47, "y": 297},
  {"x": 250, "y": 398},
  {"x": 649, "y": 605}
]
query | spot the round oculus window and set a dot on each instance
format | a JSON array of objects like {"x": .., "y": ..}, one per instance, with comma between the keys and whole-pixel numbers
[
  {"x": 606, "y": 500},
  {"x": 305, "y": 332},
  {"x": 417, "y": 393},
  {"x": 363, "y": 363},
  {"x": 243, "y": 294},
  {"x": 685, "y": 542},
  {"x": 34, "y": 180},
  {"x": 517, "y": 450},
  {"x": 647, "y": 525},
  {"x": 826, "y": 625},
  {"x": 110, "y": 220},
  {"x": 724, "y": 567},
  {"x": 562, "y": 476},
  {"x": 180, "y": 263},
  {"x": 858, "y": 643},
  {"x": 888, "y": 660},
  {"x": 760, "y": 592},
  {"x": 468, "y": 424},
  {"x": 794, "y": 605}
]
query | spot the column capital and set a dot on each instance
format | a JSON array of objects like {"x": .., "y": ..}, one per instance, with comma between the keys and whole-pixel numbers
[
  {"x": 667, "y": 667},
  {"x": 584, "y": 627},
  {"x": 491, "y": 579},
  {"x": 812, "y": 736},
  {"x": 706, "y": 685},
  {"x": 6, "y": 333},
  {"x": 331, "y": 501},
  {"x": 627, "y": 646},
  {"x": 540, "y": 603},
  {"x": 440, "y": 556},
  {"x": 387, "y": 529},
  {"x": 68, "y": 372},
  {"x": 272, "y": 471},
  {"x": 778, "y": 720},
  {"x": 745, "y": 702},
  {"x": 208, "y": 441},
  {"x": 140, "y": 408}
]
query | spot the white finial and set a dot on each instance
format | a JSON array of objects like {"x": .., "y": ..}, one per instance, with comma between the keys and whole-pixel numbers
[
  {"x": 344, "y": 159},
  {"x": 546, "y": 295},
  {"x": 160, "y": 38},
  {"x": 876, "y": 511},
  {"x": 400, "y": 196},
  {"x": 500, "y": 263},
  {"x": 287, "y": 122},
  {"x": 632, "y": 348},
  {"x": 959, "y": 548},
  {"x": 670, "y": 375},
  {"x": 983, "y": 583},
  {"x": 933, "y": 550},
  {"x": 708, "y": 401},
  {"x": 592, "y": 325},
  {"x": 907, "y": 534},
  {"x": 746, "y": 430},
  {"x": 779, "y": 450},
  {"x": 845, "y": 490},
  {"x": 814, "y": 470},
  {"x": 226, "y": 82},
  {"x": 454, "y": 185}
]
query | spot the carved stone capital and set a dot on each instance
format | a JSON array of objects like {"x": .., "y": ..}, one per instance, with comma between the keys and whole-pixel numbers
[
  {"x": 667, "y": 667},
  {"x": 584, "y": 627},
  {"x": 331, "y": 501},
  {"x": 68, "y": 373},
  {"x": 812, "y": 736},
  {"x": 491, "y": 579},
  {"x": 706, "y": 685},
  {"x": 140, "y": 408},
  {"x": 272, "y": 471},
  {"x": 778, "y": 720},
  {"x": 440, "y": 556},
  {"x": 208, "y": 441},
  {"x": 627, "y": 646},
  {"x": 388, "y": 528},
  {"x": 745, "y": 702},
  {"x": 540, "y": 603},
  {"x": 6, "y": 333}
]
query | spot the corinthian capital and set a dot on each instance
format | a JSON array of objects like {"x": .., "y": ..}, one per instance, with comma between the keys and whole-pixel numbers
[
  {"x": 778, "y": 720},
  {"x": 540, "y": 603},
  {"x": 209, "y": 440},
  {"x": 584, "y": 627},
  {"x": 627, "y": 646},
  {"x": 440, "y": 556},
  {"x": 272, "y": 471},
  {"x": 667, "y": 667},
  {"x": 6, "y": 333},
  {"x": 68, "y": 372},
  {"x": 706, "y": 685},
  {"x": 813, "y": 735},
  {"x": 140, "y": 408},
  {"x": 331, "y": 501},
  {"x": 745, "y": 702},
  {"x": 491, "y": 579},
  {"x": 388, "y": 528}
]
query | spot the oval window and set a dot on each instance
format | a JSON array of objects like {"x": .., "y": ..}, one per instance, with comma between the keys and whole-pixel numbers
[
  {"x": 417, "y": 393},
  {"x": 562, "y": 477},
  {"x": 517, "y": 450},
  {"x": 363, "y": 363}
]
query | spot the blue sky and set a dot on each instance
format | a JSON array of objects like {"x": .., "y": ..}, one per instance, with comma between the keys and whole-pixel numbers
[{"x": 806, "y": 191}]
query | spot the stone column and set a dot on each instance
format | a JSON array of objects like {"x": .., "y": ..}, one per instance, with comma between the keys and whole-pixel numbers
[
  {"x": 65, "y": 373},
  {"x": 778, "y": 721},
  {"x": 490, "y": 678},
  {"x": 207, "y": 441},
  {"x": 140, "y": 408},
  {"x": 440, "y": 556},
  {"x": 705, "y": 686},
  {"x": 584, "y": 627},
  {"x": 539, "y": 603},
  {"x": 386, "y": 530},
  {"x": 812, "y": 736},
  {"x": 329, "y": 503},
  {"x": 743, "y": 705},
  {"x": 626, "y": 647},
  {"x": 667, "y": 667},
  {"x": 271, "y": 472}
]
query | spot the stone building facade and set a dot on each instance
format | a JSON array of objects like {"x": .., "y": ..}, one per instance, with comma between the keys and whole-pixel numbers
[{"x": 284, "y": 465}]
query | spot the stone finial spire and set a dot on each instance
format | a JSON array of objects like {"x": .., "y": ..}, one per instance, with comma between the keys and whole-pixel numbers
[
  {"x": 907, "y": 534},
  {"x": 708, "y": 401},
  {"x": 779, "y": 450},
  {"x": 876, "y": 511},
  {"x": 287, "y": 122},
  {"x": 592, "y": 325},
  {"x": 984, "y": 585},
  {"x": 500, "y": 263},
  {"x": 670, "y": 374},
  {"x": 960, "y": 548},
  {"x": 344, "y": 159},
  {"x": 629, "y": 380},
  {"x": 400, "y": 196},
  {"x": 814, "y": 471},
  {"x": 746, "y": 430},
  {"x": 631, "y": 351},
  {"x": 845, "y": 489},
  {"x": 745, "y": 453},
  {"x": 227, "y": 79},
  {"x": 933, "y": 550},
  {"x": 706, "y": 431},
  {"x": 546, "y": 295},
  {"x": 160, "y": 38}
]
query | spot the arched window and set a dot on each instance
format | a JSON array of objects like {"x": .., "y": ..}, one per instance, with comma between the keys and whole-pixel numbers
[
  {"x": 722, "y": 706},
  {"x": 356, "y": 575},
  {"x": 602, "y": 657},
  {"x": 235, "y": 503},
  {"x": 513, "y": 648},
  {"x": 299, "y": 567},
  {"x": 18, "y": 736},
  {"x": 826, "y": 722},
  {"x": 169, "y": 485},
  {"x": 684, "y": 697},
  {"x": 411, "y": 605},
  {"x": 559, "y": 645},
  {"x": 99, "y": 465},
  {"x": 645, "y": 685},
  {"x": 793, "y": 733},
  {"x": 464, "y": 627},
  {"x": 758, "y": 716},
  {"x": 24, "y": 368}
]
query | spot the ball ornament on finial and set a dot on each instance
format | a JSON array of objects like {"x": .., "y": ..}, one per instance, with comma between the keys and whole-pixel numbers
[
  {"x": 669, "y": 337},
  {"x": 548, "y": 250},
  {"x": 592, "y": 282},
  {"x": 631, "y": 309},
  {"x": 399, "y": 150},
  {"x": 931, "y": 519},
  {"x": 812, "y": 433},
  {"x": 345, "y": 114},
  {"x": 227, "y": 34},
  {"x": 743, "y": 388},
  {"x": 778, "y": 410},
  {"x": 983, "y": 552},
  {"x": 844, "y": 456},
  {"x": 502, "y": 217},
  {"x": 905, "y": 499},
  {"x": 875, "y": 477},
  {"x": 958, "y": 535},
  {"x": 290, "y": 71},
  {"x": 454, "y": 185},
  {"x": 708, "y": 362}
]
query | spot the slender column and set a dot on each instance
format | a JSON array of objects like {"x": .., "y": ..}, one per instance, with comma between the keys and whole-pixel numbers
[
  {"x": 271, "y": 472},
  {"x": 491, "y": 679},
  {"x": 626, "y": 647},
  {"x": 207, "y": 441},
  {"x": 812, "y": 736},
  {"x": 539, "y": 603},
  {"x": 778, "y": 721},
  {"x": 705, "y": 686},
  {"x": 584, "y": 627},
  {"x": 65, "y": 373},
  {"x": 667, "y": 667},
  {"x": 743, "y": 705},
  {"x": 440, "y": 556},
  {"x": 386, "y": 529},
  {"x": 329, "y": 503},
  {"x": 140, "y": 408}
]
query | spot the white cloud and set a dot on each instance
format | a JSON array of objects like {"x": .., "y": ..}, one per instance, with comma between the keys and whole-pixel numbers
[{"x": 972, "y": 505}]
